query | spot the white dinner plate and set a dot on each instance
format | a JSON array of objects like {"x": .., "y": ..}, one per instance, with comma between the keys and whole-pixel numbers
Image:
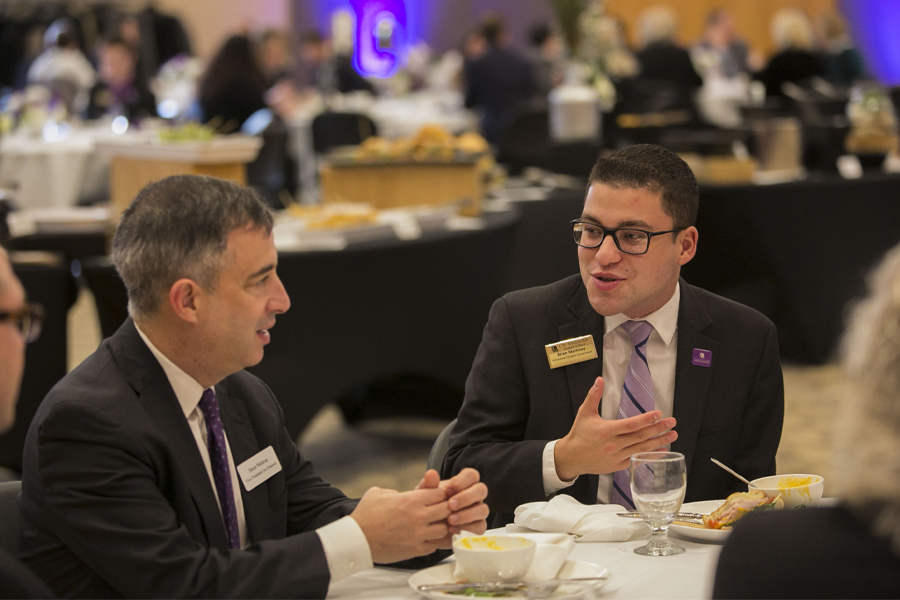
[
  {"x": 443, "y": 573},
  {"x": 695, "y": 533}
]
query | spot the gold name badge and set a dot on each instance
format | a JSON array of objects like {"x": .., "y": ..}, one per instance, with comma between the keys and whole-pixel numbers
[{"x": 571, "y": 351}]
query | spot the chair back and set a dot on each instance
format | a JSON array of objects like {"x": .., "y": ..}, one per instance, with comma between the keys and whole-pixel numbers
[
  {"x": 110, "y": 295},
  {"x": 333, "y": 129},
  {"x": 440, "y": 447},
  {"x": 526, "y": 139},
  {"x": 9, "y": 516}
]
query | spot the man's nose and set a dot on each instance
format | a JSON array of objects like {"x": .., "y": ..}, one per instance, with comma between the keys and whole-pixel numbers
[
  {"x": 607, "y": 251},
  {"x": 280, "y": 301}
]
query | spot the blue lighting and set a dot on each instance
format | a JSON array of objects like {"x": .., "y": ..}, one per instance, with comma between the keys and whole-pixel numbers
[
  {"x": 873, "y": 24},
  {"x": 381, "y": 36}
]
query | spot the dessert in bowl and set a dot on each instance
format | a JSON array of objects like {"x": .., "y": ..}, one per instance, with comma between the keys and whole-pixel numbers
[
  {"x": 795, "y": 489},
  {"x": 493, "y": 557}
]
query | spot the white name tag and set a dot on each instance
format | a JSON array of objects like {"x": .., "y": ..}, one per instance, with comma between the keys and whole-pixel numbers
[{"x": 259, "y": 468}]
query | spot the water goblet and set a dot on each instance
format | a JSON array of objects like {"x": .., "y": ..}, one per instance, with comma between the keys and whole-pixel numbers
[{"x": 658, "y": 481}]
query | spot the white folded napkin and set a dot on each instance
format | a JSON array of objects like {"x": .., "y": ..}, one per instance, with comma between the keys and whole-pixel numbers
[
  {"x": 594, "y": 523},
  {"x": 550, "y": 553}
]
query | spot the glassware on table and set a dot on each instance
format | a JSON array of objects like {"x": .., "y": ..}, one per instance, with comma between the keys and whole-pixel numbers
[{"x": 658, "y": 481}]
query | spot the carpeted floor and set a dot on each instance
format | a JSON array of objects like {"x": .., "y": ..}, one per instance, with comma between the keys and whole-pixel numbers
[{"x": 392, "y": 453}]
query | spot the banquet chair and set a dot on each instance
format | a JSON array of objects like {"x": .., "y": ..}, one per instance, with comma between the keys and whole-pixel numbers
[
  {"x": 525, "y": 140},
  {"x": 9, "y": 516},
  {"x": 333, "y": 129},
  {"x": 109, "y": 292},
  {"x": 440, "y": 447}
]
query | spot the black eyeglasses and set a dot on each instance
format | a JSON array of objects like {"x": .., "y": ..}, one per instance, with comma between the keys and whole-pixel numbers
[
  {"x": 629, "y": 241},
  {"x": 27, "y": 319}
]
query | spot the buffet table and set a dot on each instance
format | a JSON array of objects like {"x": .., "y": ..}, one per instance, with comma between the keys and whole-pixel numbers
[{"x": 688, "y": 575}]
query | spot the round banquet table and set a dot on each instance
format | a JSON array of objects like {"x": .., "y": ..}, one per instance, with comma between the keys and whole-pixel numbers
[
  {"x": 689, "y": 575},
  {"x": 54, "y": 173}
]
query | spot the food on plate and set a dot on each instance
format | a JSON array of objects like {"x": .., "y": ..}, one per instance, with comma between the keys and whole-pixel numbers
[
  {"x": 337, "y": 215},
  {"x": 188, "y": 132},
  {"x": 430, "y": 143},
  {"x": 739, "y": 504}
]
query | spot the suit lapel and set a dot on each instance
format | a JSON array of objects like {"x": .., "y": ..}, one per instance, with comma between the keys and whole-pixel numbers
[
  {"x": 692, "y": 382},
  {"x": 581, "y": 375},
  {"x": 244, "y": 445},
  {"x": 149, "y": 381}
]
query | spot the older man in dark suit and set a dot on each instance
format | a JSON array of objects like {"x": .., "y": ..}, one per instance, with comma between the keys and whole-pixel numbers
[
  {"x": 573, "y": 378},
  {"x": 20, "y": 322},
  {"x": 159, "y": 468}
]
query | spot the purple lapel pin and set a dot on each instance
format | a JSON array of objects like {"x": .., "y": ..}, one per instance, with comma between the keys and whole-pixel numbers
[{"x": 701, "y": 358}]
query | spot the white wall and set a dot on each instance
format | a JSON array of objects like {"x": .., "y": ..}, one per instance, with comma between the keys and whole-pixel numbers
[{"x": 210, "y": 22}]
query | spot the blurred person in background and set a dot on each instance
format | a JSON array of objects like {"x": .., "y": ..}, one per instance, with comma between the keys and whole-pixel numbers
[
  {"x": 720, "y": 52},
  {"x": 233, "y": 86},
  {"x": 842, "y": 62},
  {"x": 795, "y": 60},
  {"x": 851, "y": 550},
  {"x": 275, "y": 55},
  {"x": 119, "y": 90},
  {"x": 546, "y": 55},
  {"x": 497, "y": 81},
  {"x": 660, "y": 57},
  {"x": 63, "y": 68},
  {"x": 16, "y": 323},
  {"x": 327, "y": 70}
]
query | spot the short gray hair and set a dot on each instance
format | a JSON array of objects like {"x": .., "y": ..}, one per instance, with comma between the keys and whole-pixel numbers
[
  {"x": 178, "y": 228},
  {"x": 867, "y": 471}
]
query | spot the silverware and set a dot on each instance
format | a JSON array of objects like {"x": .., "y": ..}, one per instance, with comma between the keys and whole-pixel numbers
[
  {"x": 497, "y": 586},
  {"x": 695, "y": 518},
  {"x": 741, "y": 477}
]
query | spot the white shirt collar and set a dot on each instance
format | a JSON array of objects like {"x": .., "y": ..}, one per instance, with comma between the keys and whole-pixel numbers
[
  {"x": 187, "y": 389},
  {"x": 664, "y": 319}
]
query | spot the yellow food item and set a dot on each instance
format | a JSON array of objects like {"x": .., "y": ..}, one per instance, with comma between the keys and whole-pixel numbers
[
  {"x": 472, "y": 143},
  {"x": 479, "y": 543},
  {"x": 794, "y": 482}
]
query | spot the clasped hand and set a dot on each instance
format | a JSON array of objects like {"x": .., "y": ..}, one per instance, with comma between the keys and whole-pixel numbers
[
  {"x": 596, "y": 445},
  {"x": 402, "y": 525}
]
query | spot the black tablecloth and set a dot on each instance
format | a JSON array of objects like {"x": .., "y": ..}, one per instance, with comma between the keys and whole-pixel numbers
[{"x": 797, "y": 251}]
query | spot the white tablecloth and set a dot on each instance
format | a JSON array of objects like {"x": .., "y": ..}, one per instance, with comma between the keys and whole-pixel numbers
[
  {"x": 53, "y": 174},
  {"x": 689, "y": 575}
]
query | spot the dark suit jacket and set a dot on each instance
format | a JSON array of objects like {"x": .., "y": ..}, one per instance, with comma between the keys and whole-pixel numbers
[
  {"x": 497, "y": 83},
  {"x": 515, "y": 404},
  {"x": 810, "y": 553},
  {"x": 669, "y": 63},
  {"x": 16, "y": 581},
  {"x": 116, "y": 500}
]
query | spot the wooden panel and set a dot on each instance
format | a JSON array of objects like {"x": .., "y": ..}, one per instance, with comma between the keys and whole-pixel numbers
[
  {"x": 389, "y": 186},
  {"x": 753, "y": 18},
  {"x": 127, "y": 176}
]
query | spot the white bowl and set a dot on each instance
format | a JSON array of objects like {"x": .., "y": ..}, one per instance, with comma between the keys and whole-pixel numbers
[
  {"x": 493, "y": 557},
  {"x": 795, "y": 489}
]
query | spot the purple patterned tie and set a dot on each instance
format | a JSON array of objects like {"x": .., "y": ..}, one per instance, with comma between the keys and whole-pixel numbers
[
  {"x": 218, "y": 458},
  {"x": 637, "y": 398}
]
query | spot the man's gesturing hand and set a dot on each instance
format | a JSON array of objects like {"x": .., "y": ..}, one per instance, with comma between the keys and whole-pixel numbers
[
  {"x": 465, "y": 498},
  {"x": 598, "y": 446}
]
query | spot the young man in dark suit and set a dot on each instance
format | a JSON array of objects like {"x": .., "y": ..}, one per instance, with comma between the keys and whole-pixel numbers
[
  {"x": 160, "y": 468},
  {"x": 20, "y": 323},
  {"x": 536, "y": 424}
]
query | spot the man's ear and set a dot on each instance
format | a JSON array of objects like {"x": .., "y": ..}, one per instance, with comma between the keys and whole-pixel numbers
[
  {"x": 687, "y": 244},
  {"x": 185, "y": 297}
]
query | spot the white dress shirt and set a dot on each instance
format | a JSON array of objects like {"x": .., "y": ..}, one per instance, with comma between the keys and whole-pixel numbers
[
  {"x": 345, "y": 545},
  {"x": 661, "y": 354}
]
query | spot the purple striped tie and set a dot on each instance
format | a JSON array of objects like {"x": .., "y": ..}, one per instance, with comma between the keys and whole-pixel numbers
[
  {"x": 218, "y": 458},
  {"x": 637, "y": 398}
]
